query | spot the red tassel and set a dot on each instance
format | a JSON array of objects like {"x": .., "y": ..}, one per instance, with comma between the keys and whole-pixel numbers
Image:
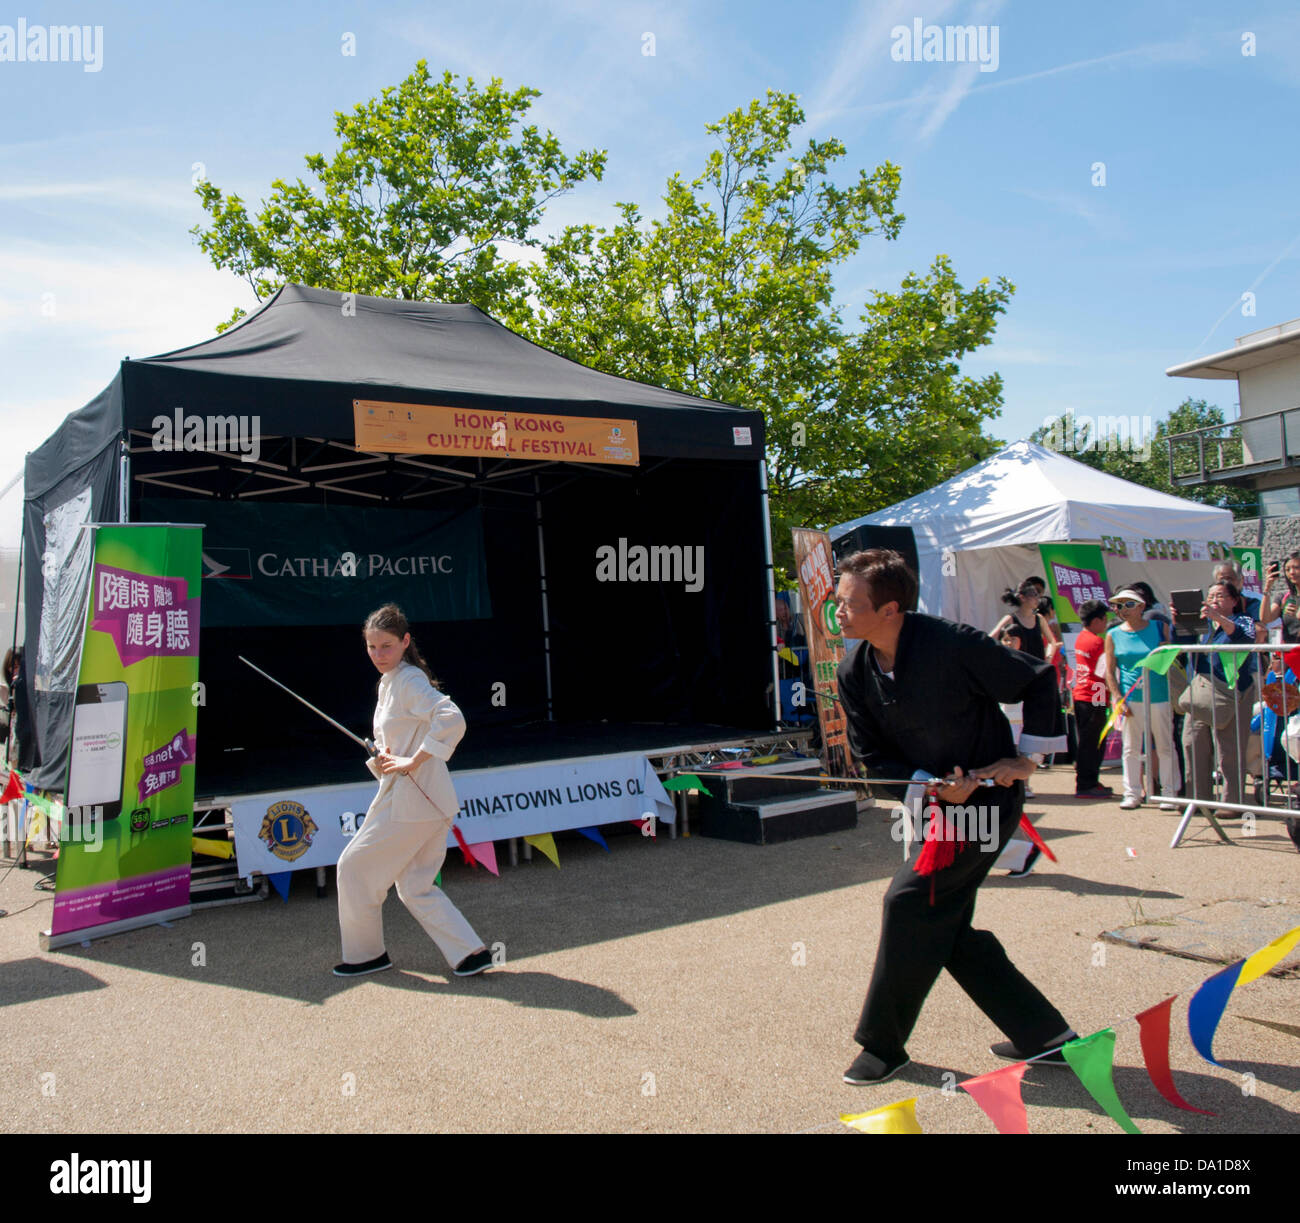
[
  {"x": 940, "y": 850},
  {"x": 460, "y": 840}
]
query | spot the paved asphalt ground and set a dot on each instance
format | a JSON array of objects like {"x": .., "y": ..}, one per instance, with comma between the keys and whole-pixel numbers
[{"x": 681, "y": 985}]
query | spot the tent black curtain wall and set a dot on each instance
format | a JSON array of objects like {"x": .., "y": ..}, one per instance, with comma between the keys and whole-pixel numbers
[{"x": 620, "y": 652}]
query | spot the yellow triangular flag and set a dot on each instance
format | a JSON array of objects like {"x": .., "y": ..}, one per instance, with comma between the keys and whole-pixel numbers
[
  {"x": 546, "y": 843},
  {"x": 786, "y": 654},
  {"x": 214, "y": 849},
  {"x": 1264, "y": 959},
  {"x": 897, "y": 1118}
]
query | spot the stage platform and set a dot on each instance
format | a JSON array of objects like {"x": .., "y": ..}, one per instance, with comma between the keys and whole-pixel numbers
[{"x": 251, "y": 771}]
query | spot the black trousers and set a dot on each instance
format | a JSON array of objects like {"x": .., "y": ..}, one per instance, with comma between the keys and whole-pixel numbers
[
  {"x": 918, "y": 940},
  {"x": 1087, "y": 762}
]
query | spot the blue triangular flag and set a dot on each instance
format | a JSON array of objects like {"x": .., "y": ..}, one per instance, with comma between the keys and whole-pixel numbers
[
  {"x": 280, "y": 882},
  {"x": 1207, "y": 1006},
  {"x": 593, "y": 834}
]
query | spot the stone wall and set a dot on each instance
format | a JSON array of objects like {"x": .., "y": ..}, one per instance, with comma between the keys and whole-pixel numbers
[{"x": 1279, "y": 537}]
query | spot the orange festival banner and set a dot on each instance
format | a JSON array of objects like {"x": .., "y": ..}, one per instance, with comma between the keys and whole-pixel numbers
[
  {"x": 812, "y": 558},
  {"x": 417, "y": 428}
]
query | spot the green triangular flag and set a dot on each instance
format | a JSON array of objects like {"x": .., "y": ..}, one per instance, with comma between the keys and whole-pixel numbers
[
  {"x": 1231, "y": 663},
  {"x": 687, "y": 781},
  {"x": 1091, "y": 1058},
  {"x": 1160, "y": 659}
]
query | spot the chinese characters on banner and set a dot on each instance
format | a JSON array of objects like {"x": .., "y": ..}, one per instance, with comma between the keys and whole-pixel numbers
[
  {"x": 124, "y": 857},
  {"x": 812, "y": 558},
  {"x": 1076, "y": 574}
]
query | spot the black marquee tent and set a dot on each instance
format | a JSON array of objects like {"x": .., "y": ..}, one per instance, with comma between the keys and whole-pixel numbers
[{"x": 547, "y": 659}]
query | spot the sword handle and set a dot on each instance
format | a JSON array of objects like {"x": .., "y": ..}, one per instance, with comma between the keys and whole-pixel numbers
[{"x": 371, "y": 748}]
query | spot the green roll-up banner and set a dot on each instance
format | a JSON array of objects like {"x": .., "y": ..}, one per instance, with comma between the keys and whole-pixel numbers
[
  {"x": 1076, "y": 573},
  {"x": 124, "y": 857}
]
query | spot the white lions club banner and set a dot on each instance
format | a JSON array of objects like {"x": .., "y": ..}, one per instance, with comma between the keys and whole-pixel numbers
[{"x": 290, "y": 830}]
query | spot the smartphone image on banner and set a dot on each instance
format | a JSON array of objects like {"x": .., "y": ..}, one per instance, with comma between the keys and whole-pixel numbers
[{"x": 98, "y": 748}]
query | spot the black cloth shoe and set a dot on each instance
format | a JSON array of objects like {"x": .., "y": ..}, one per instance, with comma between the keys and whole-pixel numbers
[
  {"x": 475, "y": 963},
  {"x": 1051, "y": 1055},
  {"x": 378, "y": 964},
  {"x": 868, "y": 1068}
]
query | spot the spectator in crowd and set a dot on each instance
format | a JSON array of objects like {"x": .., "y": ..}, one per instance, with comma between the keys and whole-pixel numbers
[
  {"x": 1046, "y": 608},
  {"x": 1285, "y": 605},
  {"x": 1028, "y": 623},
  {"x": 1154, "y": 610},
  {"x": 1090, "y": 701},
  {"x": 1127, "y": 644},
  {"x": 1230, "y": 571},
  {"x": 1215, "y": 711}
]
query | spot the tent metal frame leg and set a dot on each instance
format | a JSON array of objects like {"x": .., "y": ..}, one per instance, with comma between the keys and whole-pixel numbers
[{"x": 771, "y": 593}]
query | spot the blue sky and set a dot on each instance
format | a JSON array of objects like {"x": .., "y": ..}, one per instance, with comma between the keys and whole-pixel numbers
[{"x": 1201, "y": 201}]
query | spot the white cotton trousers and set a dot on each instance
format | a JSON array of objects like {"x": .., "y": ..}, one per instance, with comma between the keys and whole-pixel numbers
[
  {"x": 409, "y": 854},
  {"x": 1162, "y": 731}
]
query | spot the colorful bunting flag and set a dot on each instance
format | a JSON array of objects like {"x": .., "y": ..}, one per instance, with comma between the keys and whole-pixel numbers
[
  {"x": 464, "y": 849},
  {"x": 1206, "y": 1008},
  {"x": 546, "y": 843},
  {"x": 213, "y": 849},
  {"x": 1161, "y": 659},
  {"x": 486, "y": 853},
  {"x": 1266, "y": 958},
  {"x": 13, "y": 787},
  {"x": 688, "y": 781},
  {"x": 1230, "y": 663},
  {"x": 280, "y": 881},
  {"x": 1153, "y": 1025},
  {"x": 998, "y": 1094},
  {"x": 897, "y": 1118},
  {"x": 1092, "y": 1058},
  {"x": 593, "y": 834},
  {"x": 1032, "y": 833}
]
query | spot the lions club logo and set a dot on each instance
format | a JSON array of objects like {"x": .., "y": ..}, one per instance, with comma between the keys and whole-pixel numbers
[{"x": 288, "y": 830}]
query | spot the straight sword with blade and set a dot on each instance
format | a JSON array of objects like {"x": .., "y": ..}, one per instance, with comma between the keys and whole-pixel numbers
[{"x": 368, "y": 744}]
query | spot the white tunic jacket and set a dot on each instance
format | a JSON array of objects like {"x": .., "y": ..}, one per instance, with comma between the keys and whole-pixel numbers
[{"x": 412, "y": 714}]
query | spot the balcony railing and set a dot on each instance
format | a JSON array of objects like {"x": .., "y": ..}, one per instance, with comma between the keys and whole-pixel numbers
[{"x": 1236, "y": 451}]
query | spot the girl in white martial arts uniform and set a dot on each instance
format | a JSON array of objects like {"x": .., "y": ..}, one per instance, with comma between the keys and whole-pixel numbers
[{"x": 404, "y": 837}]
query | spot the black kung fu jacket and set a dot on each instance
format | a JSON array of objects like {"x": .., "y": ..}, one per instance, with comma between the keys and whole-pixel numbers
[{"x": 940, "y": 711}]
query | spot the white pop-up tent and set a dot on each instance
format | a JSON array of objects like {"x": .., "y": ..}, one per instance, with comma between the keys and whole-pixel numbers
[{"x": 979, "y": 532}]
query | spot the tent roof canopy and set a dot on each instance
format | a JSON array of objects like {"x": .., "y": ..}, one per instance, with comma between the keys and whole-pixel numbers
[
  {"x": 1028, "y": 494},
  {"x": 319, "y": 335}
]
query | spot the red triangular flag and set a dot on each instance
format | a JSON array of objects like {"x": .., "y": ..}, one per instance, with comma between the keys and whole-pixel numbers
[
  {"x": 14, "y": 788},
  {"x": 1032, "y": 833},
  {"x": 998, "y": 1094},
  {"x": 464, "y": 849},
  {"x": 1154, "y": 1029}
]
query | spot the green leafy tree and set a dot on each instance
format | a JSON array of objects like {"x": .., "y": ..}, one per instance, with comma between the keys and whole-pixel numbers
[
  {"x": 1123, "y": 447},
  {"x": 731, "y": 296},
  {"x": 428, "y": 181}
]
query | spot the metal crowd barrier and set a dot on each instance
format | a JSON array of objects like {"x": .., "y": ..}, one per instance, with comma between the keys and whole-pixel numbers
[{"x": 1245, "y": 703}]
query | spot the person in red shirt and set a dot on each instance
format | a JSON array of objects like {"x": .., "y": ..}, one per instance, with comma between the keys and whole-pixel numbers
[{"x": 1090, "y": 702}]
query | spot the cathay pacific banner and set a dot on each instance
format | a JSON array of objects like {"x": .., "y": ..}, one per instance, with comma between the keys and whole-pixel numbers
[
  {"x": 285, "y": 830},
  {"x": 298, "y": 564}
]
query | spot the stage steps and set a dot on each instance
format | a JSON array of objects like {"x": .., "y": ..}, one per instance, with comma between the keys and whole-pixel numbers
[{"x": 765, "y": 804}]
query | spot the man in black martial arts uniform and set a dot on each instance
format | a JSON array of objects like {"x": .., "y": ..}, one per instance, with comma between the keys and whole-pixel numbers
[{"x": 920, "y": 693}]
